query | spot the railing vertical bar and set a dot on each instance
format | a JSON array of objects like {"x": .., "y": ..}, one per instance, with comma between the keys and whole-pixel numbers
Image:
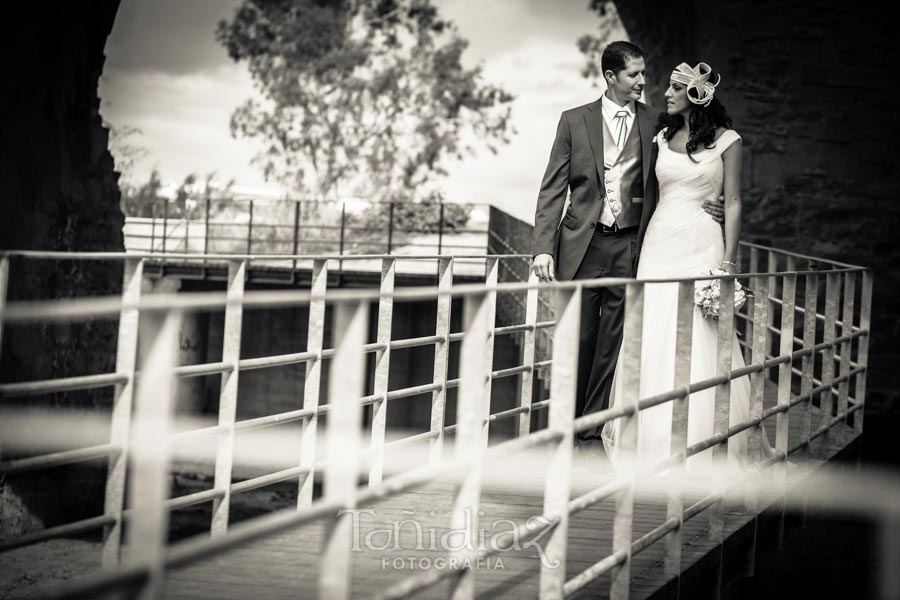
[
  {"x": 782, "y": 420},
  {"x": 382, "y": 370},
  {"x": 345, "y": 387},
  {"x": 772, "y": 266},
  {"x": 165, "y": 233},
  {"x": 623, "y": 520},
  {"x": 760, "y": 343},
  {"x": 390, "y": 240},
  {"x": 754, "y": 268},
  {"x": 206, "y": 209},
  {"x": 680, "y": 407},
  {"x": 528, "y": 348},
  {"x": 558, "y": 481},
  {"x": 440, "y": 246},
  {"x": 810, "y": 303},
  {"x": 295, "y": 241},
  {"x": 149, "y": 451},
  {"x": 123, "y": 399},
  {"x": 441, "y": 359},
  {"x": 826, "y": 399},
  {"x": 490, "y": 280},
  {"x": 862, "y": 357},
  {"x": 724, "y": 348},
  {"x": 846, "y": 349},
  {"x": 312, "y": 383},
  {"x": 152, "y": 227},
  {"x": 228, "y": 394},
  {"x": 250, "y": 230},
  {"x": 469, "y": 434}
]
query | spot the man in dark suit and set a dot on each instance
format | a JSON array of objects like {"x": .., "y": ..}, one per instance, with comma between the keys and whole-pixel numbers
[{"x": 603, "y": 155}]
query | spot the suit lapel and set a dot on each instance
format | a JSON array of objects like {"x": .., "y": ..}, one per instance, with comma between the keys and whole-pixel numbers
[
  {"x": 593, "y": 120},
  {"x": 645, "y": 126}
]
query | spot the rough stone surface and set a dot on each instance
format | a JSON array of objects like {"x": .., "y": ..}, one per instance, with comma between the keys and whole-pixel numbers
[
  {"x": 811, "y": 89},
  {"x": 59, "y": 192}
]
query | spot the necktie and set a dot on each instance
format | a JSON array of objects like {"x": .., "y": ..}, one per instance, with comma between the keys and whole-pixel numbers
[{"x": 620, "y": 120}]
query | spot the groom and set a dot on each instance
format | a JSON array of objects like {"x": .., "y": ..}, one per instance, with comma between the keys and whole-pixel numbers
[{"x": 602, "y": 153}]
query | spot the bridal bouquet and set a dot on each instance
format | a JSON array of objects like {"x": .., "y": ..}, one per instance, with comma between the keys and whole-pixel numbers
[{"x": 707, "y": 293}]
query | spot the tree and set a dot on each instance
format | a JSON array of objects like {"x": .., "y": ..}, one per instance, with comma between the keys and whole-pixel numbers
[{"x": 361, "y": 97}]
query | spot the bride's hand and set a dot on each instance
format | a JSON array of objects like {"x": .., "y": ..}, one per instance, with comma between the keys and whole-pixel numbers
[{"x": 728, "y": 268}]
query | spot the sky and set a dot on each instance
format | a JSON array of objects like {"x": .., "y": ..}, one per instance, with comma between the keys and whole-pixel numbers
[{"x": 166, "y": 75}]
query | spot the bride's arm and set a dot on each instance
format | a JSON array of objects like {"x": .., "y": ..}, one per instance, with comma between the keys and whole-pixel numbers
[{"x": 733, "y": 159}]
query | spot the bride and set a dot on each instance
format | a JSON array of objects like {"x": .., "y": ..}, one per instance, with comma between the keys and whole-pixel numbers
[{"x": 695, "y": 164}]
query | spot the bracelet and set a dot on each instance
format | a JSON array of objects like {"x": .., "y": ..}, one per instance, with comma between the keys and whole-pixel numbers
[{"x": 728, "y": 262}]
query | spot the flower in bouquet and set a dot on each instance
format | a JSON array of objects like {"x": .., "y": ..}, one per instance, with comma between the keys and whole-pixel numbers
[{"x": 707, "y": 295}]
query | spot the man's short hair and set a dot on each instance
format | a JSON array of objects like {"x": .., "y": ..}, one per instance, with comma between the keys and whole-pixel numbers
[{"x": 616, "y": 54}]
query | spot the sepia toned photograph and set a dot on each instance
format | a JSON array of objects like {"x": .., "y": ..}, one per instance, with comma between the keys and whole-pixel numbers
[{"x": 449, "y": 299}]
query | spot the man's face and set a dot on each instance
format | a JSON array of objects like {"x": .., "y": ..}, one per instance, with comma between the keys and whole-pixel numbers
[{"x": 628, "y": 84}]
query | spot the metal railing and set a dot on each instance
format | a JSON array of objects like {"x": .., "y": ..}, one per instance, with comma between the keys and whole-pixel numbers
[
  {"x": 834, "y": 324},
  {"x": 257, "y": 227}
]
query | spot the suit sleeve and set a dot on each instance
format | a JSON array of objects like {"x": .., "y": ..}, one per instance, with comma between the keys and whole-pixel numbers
[{"x": 552, "y": 196}]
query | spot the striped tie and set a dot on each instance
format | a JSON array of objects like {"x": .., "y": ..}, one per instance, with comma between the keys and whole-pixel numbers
[{"x": 620, "y": 118}]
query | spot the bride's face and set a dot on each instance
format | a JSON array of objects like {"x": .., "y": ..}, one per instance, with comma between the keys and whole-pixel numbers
[{"x": 677, "y": 102}]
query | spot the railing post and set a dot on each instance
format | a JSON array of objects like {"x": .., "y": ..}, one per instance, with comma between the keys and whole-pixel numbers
[
  {"x": 558, "y": 481},
  {"x": 441, "y": 229},
  {"x": 862, "y": 357},
  {"x": 149, "y": 451},
  {"x": 810, "y": 307},
  {"x": 724, "y": 349},
  {"x": 390, "y": 242},
  {"x": 441, "y": 359},
  {"x": 782, "y": 419},
  {"x": 165, "y": 234},
  {"x": 123, "y": 395},
  {"x": 623, "y": 520},
  {"x": 490, "y": 281},
  {"x": 469, "y": 440},
  {"x": 528, "y": 346},
  {"x": 312, "y": 382},
  {"x": 846, "y": 350},
  {"x": 296, "y": 240},
  {"x": 206, "y": 226},
  {"x": 250, "y": 231},
  {"x": 342, "y": 445},
  {"x": 680, "y": 406},
  {"x": 228, "y": 394},
  {"x": 760, "y": 343},
  {"x": 826, "y": 399},
  {"x": 152, "y": 227},
  {"x": 382, "y": 370}
]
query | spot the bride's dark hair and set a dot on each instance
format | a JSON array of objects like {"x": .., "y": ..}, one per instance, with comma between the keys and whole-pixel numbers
[{"x": 704, "y": 121}]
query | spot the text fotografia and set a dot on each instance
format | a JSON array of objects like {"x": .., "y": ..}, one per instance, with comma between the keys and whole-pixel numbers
[{"x": 466, "y": 548}]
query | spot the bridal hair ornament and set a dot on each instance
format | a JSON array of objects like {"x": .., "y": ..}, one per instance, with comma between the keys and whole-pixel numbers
[{"x": 700, "y": 89}]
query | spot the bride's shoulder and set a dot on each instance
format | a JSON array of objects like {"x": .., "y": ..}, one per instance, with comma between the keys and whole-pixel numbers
[{"x": 725, "y": 138}]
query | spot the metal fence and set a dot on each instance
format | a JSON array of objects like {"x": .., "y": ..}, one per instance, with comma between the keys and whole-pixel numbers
[
  {"x": 827, "y": 303},
  {"x": 215, "y": 226}
]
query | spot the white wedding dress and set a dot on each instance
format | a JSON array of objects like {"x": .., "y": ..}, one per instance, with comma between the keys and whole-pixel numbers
[{"x": 682, "y": 240}]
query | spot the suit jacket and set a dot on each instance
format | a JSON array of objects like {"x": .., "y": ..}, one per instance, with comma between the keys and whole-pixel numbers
[{"x": 576, "y": 164}]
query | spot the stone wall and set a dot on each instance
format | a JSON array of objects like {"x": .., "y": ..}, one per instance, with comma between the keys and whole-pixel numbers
[
  {"x": 59, "y": 192},
  {"x": 811, "y": 86}
]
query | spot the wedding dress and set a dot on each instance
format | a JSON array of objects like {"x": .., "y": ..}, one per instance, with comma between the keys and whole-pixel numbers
[{"x": 682, "y": 240}]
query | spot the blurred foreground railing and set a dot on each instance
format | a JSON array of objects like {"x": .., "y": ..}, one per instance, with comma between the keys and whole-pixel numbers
[{"x": 828, "y": 304}]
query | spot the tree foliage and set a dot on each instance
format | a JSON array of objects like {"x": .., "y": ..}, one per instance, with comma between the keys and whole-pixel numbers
[
  {"x": 360, "y": 97},
  {"x": 591, "y": 46}
]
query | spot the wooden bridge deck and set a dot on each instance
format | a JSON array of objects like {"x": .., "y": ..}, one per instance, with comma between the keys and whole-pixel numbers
[{"x": 286, "y": 566}]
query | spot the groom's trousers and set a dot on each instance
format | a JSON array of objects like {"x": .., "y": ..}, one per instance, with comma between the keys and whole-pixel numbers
[{"x": 610, "y": 254}]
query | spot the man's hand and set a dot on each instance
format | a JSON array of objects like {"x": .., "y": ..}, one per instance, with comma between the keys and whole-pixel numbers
[
  {"x": 716, "y": 209},
  {"x": 543, "y": 267}
]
